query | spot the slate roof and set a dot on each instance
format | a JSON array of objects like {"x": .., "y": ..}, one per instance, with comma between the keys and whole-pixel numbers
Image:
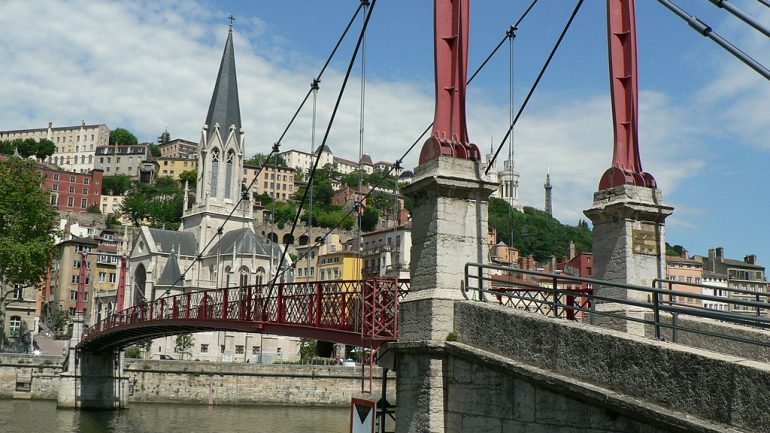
[
  {"x": 245, "y": 241},
  {"x": 322, "y": 148},
  {"x": 182, "y": 242},
  {"x": 225, "y": 108},
  {"x": 171, "y": 274}
]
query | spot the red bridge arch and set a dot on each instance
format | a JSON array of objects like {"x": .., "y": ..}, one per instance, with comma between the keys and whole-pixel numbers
[{"x": 357, "y": 312}]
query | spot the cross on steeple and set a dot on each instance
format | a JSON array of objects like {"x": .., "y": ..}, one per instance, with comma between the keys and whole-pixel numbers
[{"x": 231, "y": 18}]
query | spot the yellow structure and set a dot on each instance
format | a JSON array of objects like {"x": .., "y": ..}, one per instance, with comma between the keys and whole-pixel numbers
[
  {"x": 173, "y": 167},
  {"x": 340, "y": 265}
]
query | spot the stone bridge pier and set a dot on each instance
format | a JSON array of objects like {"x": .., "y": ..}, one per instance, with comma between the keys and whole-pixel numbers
[{"x": 92, "y": 380}]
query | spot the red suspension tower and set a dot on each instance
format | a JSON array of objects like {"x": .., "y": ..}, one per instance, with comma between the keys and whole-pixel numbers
[
  {"x": 450, "y": 132},
  {"x": 621, "y": 34}
]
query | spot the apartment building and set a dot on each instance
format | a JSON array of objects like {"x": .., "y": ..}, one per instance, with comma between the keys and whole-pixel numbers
[
  {"x": 179, "y": 148},
  {"x": 683, "y": 269},
  {"x": 72, "y": 191},
  {"x": 745, "y": 279},
  {"x": 122, "y": 159},
  {"x": 174, "y": 166},
  {"x": 387, "y": 253},
  {"x": 75, "y": 145},
  {"x": 276, "y": 182}
]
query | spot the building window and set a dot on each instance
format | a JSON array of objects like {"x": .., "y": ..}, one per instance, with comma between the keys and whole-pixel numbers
[
  {"x": 84, "y": 203},
  {"x": 214, "y": 171},
  {"x": 204, "y": 348},
  {"x": 112, "y": 277},
  {"x": 229, "y": 173},
  {"x": 73, "y": 295},
  {"x": 102, "y": 277},
  {"x": 255, "y": 350},
  {"x": 238, "y": 349},
  {"x": 72, "y": 179},
  {"x": 70, "y": 201},
  {"x": 72, "y": 190},
  {"x": 221, "y": 348},
  {"x": 15, "y": 326}
]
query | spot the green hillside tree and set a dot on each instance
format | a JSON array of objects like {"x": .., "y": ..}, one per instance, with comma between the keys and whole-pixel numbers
[
  {"x": 27, "y": 229},
  {"x": 122, "y": 136}
]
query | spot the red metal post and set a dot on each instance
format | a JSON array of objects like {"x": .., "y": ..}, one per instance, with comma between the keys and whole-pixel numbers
[
  {"x": 450, "y": 132},
  {"x": 280, "y": 307},
  {"x": 225, "y": 301},
  {"x": 80, "y": 305},
  {"x": 318, "y": 294},
  {"x": 187, "y": 310},
  {"x": 175, "y": 311},
  {"x": 122, "y": 284},
  {"x": 626, "y": 163}
]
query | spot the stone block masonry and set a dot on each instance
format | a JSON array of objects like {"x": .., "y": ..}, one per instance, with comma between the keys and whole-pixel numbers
[
  {"x": 30, "y": 377},
  {"x": 190, "y": 382},
  {"x": 247, "y": 384}
]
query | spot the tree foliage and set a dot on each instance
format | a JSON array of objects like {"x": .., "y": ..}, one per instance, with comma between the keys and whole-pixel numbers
[
  {"x": 158, "y": 205},
  {"x": 27, "y": 223},
  {"x": 184, "y": 342},
  {"x": 27, "y": 229},
  {"x": 164, "y": 138},
  {"x": 117, "y": 184},
  {"x": 189, "y": 176},
  {"x": 369, "y": 219},
  {"x": 535, "y": 232},
  {"x": 154, "y": 150},
  {"x": 29, "y": 147},
  {"x": 259, "y": 158},
  {"x": 122, "y": 136}
]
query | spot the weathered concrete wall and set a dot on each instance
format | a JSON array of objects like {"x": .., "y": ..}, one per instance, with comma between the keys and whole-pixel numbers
[
  {"x": 485, "y": 392},
  {"x": 234, "y": 384},
  {"x": 42, "y": 371},
  {"x": 702, "y": 340},
  {"x": 665, "y": 379}
]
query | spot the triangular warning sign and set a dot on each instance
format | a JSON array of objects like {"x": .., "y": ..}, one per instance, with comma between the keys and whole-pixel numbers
[{"x": 363, "y": 412}]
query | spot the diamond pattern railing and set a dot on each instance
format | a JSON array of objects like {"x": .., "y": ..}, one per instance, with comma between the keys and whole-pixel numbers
[{"x": 368, "y": 308}]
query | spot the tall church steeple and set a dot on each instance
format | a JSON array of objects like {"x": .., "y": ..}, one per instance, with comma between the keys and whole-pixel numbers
[
  {"x": 225, "y": 109},
  {"x": 220, "y": 156}
]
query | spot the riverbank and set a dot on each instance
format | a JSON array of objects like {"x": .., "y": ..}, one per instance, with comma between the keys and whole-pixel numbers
[{"x": 193, "y": 382}]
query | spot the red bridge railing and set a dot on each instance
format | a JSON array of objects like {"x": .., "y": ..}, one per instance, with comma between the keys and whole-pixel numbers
[{"x": 367, "y": 308}]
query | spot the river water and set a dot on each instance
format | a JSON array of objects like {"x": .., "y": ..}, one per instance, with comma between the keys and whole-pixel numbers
[{"x": 25, "y": 416}]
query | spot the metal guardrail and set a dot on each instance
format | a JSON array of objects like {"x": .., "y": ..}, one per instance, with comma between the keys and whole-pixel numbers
[{"x": 577, "y": 298}]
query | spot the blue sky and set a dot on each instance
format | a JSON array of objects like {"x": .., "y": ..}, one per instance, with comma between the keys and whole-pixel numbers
[{"x": 151, "y": 65}]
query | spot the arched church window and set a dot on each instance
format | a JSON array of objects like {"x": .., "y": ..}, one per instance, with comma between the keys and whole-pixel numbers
[
  {"x": 214, "y": 171},
  {"x": 227, "y": 276},
  {"x": 244, "y": 276},
  {"x": 229, "y": 171},
  {"x": 260, "y": 276}
]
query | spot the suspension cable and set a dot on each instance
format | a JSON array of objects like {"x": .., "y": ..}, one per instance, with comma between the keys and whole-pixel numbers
[
  {"x": 706, "y": 31},
  {"x": 323, "y": 143},
  {"x": 510, "y": 186},
  {"x": 743, "y": 16},
  {"x": 537, "y": 81},
  {"x": 359, "y": 203}
]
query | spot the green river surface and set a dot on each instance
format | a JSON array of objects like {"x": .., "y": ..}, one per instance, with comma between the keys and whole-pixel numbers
[{"x": 28, "y": 416}]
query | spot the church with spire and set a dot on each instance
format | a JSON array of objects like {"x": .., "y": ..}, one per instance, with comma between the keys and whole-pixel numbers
[{"x": 218, "y": 225}]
